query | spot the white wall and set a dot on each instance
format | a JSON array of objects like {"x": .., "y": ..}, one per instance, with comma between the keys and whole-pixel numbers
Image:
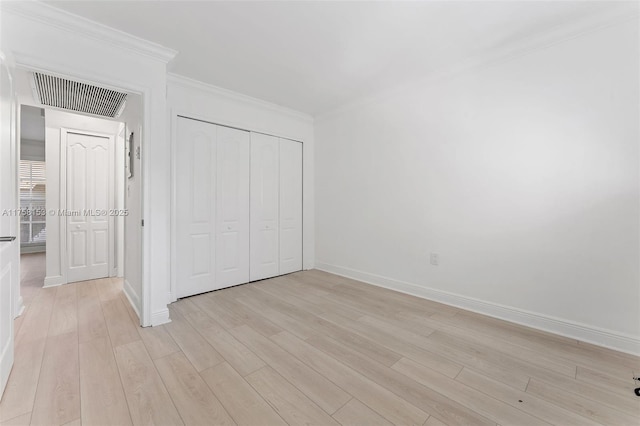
[
  {"x": 44, "y": 38},
  {"x": 133, "y": 117},
  {"x": 54, "y": 122},
  {"x": 197, "y": 100},
  {"x": 522, "y": 175}
]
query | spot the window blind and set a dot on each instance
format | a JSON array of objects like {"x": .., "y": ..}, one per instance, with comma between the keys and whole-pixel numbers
[{"x": 32, "y": 202}]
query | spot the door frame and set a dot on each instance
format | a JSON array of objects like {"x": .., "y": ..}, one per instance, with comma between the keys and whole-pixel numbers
[
  {"x": 58, "y": 69},
  {"x": 64, "y": 132},
  {"x": 16, "y": 307}
]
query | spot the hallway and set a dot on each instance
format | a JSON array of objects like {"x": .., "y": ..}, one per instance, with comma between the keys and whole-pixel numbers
[
  {"x": 32, "y": 273},
  {"x": 62, "y": 342}
]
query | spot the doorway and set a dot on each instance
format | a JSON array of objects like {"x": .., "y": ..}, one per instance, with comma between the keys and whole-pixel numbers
[
  {"x": 92, "y": 194},
  {"x": 88, "y": 200},
  {"x": 32, "y": 191}
]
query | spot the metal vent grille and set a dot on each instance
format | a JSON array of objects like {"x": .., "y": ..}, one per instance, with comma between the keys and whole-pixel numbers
[{"x": 75, "y": 96}]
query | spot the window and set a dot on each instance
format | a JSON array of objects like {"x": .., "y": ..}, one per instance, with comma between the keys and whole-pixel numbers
[{"x": 33, "y": 229}]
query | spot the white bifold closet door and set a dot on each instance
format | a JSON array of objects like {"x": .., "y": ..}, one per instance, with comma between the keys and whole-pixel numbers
[
  {"x": 290, "y": 256},
  {"x": 238, "y": 207},
  {"x": 276, "y": 206},
  {"x": 212, "y": 195},
  {"x": 232, "y": 199},
  {"x": 195, "y": 207},
  {"x": 265, "y": 193}
]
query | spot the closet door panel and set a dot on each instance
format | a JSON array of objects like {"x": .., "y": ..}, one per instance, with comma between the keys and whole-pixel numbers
[
  {"x": 195, "y": 209},
  {"x": 233, "y": 157},
  {"x": 264, "y": 206},
  {"x": 290, "y": 206}
]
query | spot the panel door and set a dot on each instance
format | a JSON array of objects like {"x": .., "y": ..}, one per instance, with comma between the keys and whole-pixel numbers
[
  {"x": 290, "y": 206},
  {"x": 264, "y": 206},
  {"x": 232, "y": 200},
  {"x": 195, "y": 209},
  {"x": 9, "y": 248},
  {"x": 88, "y": 202}
]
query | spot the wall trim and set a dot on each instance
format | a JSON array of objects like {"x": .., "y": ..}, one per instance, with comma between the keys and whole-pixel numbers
[
  {"x": 7, "y": 353},
  {"x": 132, "y": 297},
  {"x": 54, "y": 281},
  {"x": 230, "y": 94},
  {"x": 160, "y": 317},
  {"x": 574, "y": 330},
  {"x": 82, "y": 26},
  {"x": 20, "y": 307}
]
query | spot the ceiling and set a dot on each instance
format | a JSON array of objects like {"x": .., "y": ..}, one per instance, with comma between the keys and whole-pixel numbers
[{"x": 316, "y": 56}]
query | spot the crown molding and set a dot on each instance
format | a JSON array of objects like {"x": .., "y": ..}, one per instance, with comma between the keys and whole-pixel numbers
[
  {"x": 609, "y": 15},
  {"x": 66, "y": 21},
  {"x": 230, "y": 94}
]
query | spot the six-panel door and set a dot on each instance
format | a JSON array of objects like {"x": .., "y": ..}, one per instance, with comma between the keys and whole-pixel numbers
[{"x": 87, "y": 207}]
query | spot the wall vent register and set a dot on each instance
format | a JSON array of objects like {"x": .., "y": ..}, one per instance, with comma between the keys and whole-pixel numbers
[{"x": 76, "y": 96}]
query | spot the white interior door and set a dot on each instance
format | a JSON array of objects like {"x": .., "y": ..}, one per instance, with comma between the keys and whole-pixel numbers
[
  {"x": 196, "y": 207},
  {"x": 88, "y": 201},
  {"x": 264, "y": 206},
  {"x": 9, "y": 247},
  {"x": 232, "y": 200},
  {"x": 290, "y": 206}
]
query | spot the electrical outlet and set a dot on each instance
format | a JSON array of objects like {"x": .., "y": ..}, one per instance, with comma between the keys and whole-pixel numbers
[{"x": 434, "y": 259}]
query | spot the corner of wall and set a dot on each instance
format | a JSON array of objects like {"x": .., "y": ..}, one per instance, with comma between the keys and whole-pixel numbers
[
  {"x": 54, "y": 281},
  {"x": 160, "y": 317}
]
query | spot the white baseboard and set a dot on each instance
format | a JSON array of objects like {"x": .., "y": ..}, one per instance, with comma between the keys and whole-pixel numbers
[
  {"x": 6, "y": 362},
  {"x": 19, "y": 307},
  {"x": 131, "y": 295},
  {"x": 160, "y": 317},
  {"x": 33, "y": 249},
  {"x": 54, "y": 281},
  {"x": 574, "y": 330}
]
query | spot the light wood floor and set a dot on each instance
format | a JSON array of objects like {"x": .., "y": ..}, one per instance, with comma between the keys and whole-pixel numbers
[{"x": 308, "y": 348}]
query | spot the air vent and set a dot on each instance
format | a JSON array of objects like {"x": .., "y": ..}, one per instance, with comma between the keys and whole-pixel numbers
[{"x": 75, "y": 96}]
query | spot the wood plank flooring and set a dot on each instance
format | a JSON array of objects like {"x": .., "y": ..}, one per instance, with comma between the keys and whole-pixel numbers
[{"x": 308, "y": 348}]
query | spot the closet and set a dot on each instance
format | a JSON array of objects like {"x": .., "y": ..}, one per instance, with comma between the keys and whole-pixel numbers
[
  {"x": 238, "y": 206},
  {"x": 276, "y": 206}
]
